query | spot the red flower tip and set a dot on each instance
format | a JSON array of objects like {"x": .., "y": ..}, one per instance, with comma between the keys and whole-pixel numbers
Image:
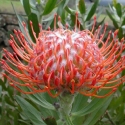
[
  {"x": 31, "y": 23},
  {"x": 24, "y": 24}
]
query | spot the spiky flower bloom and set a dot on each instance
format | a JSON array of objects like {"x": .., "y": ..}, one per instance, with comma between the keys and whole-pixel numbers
[{"x": 65, "y": 60}]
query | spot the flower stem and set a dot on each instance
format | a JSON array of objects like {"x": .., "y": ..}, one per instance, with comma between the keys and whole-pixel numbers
[{"x": 66, "y": 100}]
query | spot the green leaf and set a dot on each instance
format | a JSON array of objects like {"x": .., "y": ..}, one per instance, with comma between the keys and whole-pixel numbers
[
  {"x": 16, "y": 118},
  {"x": 95, "y": 104},
  {"x": 82, "y": 7},
  {"x": 79, "y": 120},
  {"x": 50, "y": 121},
  {"x": 33, "y": 114},
  {"x": 73, "y": 17},
  {"x": 26, "y": 6},
  {"x": 123, "y": 22},
  {"x": 96, "y": 115},
  {"x": 49, "y": 6},
  {"x": 39, "y": 1},
  {"x": 119, "y": 9},
  {"x": 123, "y": 123},
  {"x": 62, "y": 6},
  {"x": 38, "y": 99},
  {"x": 70, "y": 11},
  {"x": 33, "y": 4},
  {"x": 113, "y": 20},
  {"x": 120, "y": 33},
  {"x": 68, "y": 121},
  {"x": 49, "y": 23},
  {"x": 65, "y": 4},
  {"x": 79, "y": 102},
  {"x": 49, "y": 16},
  {"x": 60, "y": 122},
  {"x": 92, "y": 10},
  {"x": 33, "y": 17}
]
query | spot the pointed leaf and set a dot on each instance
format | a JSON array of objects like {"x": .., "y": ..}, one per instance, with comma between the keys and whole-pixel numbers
[
  {"x": 120, "y": 33},
  {"x": 95, "y": 104},
  {"x": 70, "y": 11},
  {"x": 61, "y": 7},
  {"x": 26, "y": 6},
  {"x": 33, "y": 114},
  {"x": 92, "y": 10},
  {"x": 68, "y": 121},
  {"x": 79, "y": 102},
  {"x": 113, "y": 20},
  {"x": 49, "y": 6},
  {"x": 82, "y": 7},
  {"x": 123, "y": 22},
  {"x": 119, "y": 9},
  {"x": 38, "y": 99},
  {"x": 49, "y": 16},
  {"x": 96, "y": 115}
]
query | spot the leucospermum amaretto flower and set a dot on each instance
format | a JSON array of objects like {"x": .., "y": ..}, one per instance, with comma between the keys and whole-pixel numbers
[{"x": 65, "y": 60}]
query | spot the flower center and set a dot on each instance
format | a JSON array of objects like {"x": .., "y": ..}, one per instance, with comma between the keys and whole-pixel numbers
[{"x": 66, "y": 55}]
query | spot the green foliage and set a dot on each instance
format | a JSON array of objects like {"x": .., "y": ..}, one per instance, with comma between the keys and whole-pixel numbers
[
  {"x": 9, "y": 110},
  {"x": 116, "y": 14},
  {"x": 44, "y": 13},
  {"x": 30, "y": 112},
  {"x": 82, "y": 109},
  {"x": 95, "y": 115},
  {"x": 85, "y": 14}
]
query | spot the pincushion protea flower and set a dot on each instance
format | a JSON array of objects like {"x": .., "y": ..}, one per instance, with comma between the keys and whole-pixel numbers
[{"x": 65, "y": 60}]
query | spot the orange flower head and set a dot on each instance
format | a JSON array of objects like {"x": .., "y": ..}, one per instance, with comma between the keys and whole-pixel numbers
[{"x": 65, "y": 60}]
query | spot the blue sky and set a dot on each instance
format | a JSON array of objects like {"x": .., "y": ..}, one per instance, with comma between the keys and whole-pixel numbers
[{"x": 106, "y": 2}]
